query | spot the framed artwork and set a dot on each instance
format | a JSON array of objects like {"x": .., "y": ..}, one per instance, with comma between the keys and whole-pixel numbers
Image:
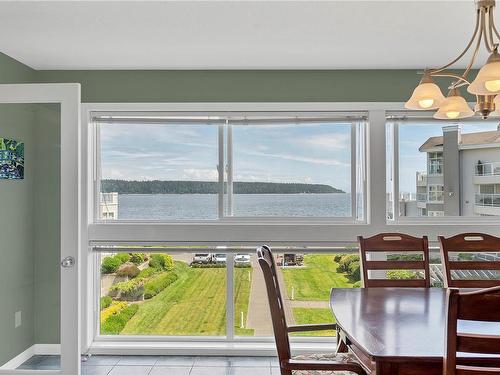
[{"x": 11, "y": 159}]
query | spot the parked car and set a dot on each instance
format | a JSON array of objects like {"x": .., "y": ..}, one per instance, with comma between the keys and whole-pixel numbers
[
  {"x": 204, "y": 258},
  {"x": 220, "y": 258},
  {"x": 242, "y": 259}
]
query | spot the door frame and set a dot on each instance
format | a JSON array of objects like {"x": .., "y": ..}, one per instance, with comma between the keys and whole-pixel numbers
[{"x": 67, "y": 95}]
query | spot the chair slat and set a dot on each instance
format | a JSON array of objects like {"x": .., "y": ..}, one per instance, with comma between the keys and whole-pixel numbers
[
  {"x": 388, "y": 283},
  {"x": 395, "y": 265},
  {"x": 469, "y": 343},
  {"x": 470, "y": 265},
  {"x": 475, "y": 370},
  {"x": 469, "y": 283}
]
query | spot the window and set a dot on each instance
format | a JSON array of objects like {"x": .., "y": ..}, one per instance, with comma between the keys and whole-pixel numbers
[
  {"x": 441, "y": 168},
  {"x": 150, "y": 291},
  {"x": 164, "y": 167},
  {"x": 435, "y": 193}
]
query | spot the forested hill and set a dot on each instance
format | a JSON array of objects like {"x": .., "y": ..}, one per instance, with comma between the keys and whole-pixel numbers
[{"x": 205, "y": 187}]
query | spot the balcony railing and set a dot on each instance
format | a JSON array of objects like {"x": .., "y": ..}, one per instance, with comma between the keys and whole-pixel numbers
[
  {"x": 421, "y": 178},
  {"x": 421, "y": 197},
  {"x": 492, "y": 200},
  {"x": 487, "y": 169}
]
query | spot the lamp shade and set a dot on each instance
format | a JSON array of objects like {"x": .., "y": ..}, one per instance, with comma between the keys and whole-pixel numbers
[
  {"x": 487, "y": 81},
  {"x": 454, "y": 107},
  {"x": 426, "y": 95}
]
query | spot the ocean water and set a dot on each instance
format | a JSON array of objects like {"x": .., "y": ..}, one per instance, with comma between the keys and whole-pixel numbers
[{"x": 204, "y": 206}]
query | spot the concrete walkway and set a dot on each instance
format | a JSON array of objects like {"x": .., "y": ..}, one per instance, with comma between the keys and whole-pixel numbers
[
  {"x": 259, "y": 317},
  {"x": 310, "y": 304}
]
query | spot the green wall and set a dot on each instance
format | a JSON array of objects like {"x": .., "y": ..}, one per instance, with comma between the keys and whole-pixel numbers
[{"x": 29, "y": 223}]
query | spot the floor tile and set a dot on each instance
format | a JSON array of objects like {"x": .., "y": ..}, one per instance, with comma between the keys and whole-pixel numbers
[
  {"x": 96, "y": 370},
  {"x": 138, "y": 360},
  {"x": 170, "y": 370},
  {"x": 131, "y": 370},
  {"x": 209, "y": 361},
  {"x": 250, "y": 361},
  {"x": 210, "y": 371},
  {"x": 250, "y": 371},
  {"x": 101, "y": 360},
  {"x": 175, "y": 360}
]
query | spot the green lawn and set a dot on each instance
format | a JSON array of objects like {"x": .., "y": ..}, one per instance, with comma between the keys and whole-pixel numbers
[
  {"x": 242, "y": 282},
  {"x": 314, "y": 281},
  {"x": 313, "y": 316},
  {"x": 193, "y": 305}
]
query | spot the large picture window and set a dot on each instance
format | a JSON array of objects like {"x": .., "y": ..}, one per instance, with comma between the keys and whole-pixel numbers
[{"x": 168, "y": 167}]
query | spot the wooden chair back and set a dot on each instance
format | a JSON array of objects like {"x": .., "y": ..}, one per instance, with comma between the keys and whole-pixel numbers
[
  {"x": 481, "y": 306},
  {"x": 268, "y": 266},
  {"x": 395, "y": 243},
  {"x": 470, "y": 243}
]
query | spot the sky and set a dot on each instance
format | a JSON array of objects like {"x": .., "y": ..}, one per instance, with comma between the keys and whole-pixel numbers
[{"x": 307, "y": 153}]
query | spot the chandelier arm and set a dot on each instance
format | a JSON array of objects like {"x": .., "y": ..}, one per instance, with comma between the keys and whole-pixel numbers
[
  {"x": 451, "y": 75},
  {"x": 485, "y": 31},
  {"x": 474, "y": 34},
  {"x": 474, "y": 55},
  {"x": 490, "y": 28},
  {"x": 493, "y": 27}
]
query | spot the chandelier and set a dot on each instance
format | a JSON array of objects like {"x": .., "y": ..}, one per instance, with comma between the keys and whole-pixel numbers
[{"x": 486, "y": 85}]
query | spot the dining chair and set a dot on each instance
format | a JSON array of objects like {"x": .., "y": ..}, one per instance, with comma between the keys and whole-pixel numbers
[
  {"x": 400, "y": 244},
  {"x": 476, "y": 268},
  {"x": 481, "y": 306},
  {"x": 299, "y": 365}
]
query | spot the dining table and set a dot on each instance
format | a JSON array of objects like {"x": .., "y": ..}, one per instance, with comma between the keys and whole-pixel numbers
[{"x": 400, "y": 330}]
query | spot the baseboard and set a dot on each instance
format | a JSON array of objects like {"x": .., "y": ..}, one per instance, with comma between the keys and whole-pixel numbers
[
  {"x": 47, "y": 349},
  {"x": 37, "y": 349},
  {"x": 19, "y": 359}
]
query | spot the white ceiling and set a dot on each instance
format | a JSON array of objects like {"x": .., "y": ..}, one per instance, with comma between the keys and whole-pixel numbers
[{"x": 235, "y": 34}]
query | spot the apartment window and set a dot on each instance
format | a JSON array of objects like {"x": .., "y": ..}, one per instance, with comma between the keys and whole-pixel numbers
[
  {"x": 230, "y": 166},
  {"x": 438, "y": 166},
  {"x": 435, "y": 163},
  {"x": 435, "y": 213},
  {"x": 435, "y": 193}
]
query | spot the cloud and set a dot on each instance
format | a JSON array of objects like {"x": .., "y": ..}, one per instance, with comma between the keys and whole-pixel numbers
[
  {"x": 327, "y": 141},
  {"x": 304, "y": 159}
]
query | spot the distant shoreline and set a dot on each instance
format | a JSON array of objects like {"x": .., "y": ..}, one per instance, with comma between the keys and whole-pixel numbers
[{"x": 208, "y": 187}]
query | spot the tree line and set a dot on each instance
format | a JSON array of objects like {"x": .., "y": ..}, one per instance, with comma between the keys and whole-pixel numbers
[{"x": 208, "y": 187}]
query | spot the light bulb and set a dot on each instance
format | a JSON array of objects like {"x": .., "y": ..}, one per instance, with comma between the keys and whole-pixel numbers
[
  {"x": 493, "y": 85},
  {"x": 426, "y": 103},
  {"x": 452, "y": 114}
]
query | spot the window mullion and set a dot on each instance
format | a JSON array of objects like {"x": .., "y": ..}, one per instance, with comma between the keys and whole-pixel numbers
[
  {"x": 230, "y": 296},
  {"x": 353, "y": 171},
  {"x": 229, "y": 170},
  {"x": 220, "y": 170}
]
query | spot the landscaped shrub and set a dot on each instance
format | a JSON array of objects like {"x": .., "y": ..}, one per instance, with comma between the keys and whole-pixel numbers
[
  {"x": 156, "y": 285},
  {"x": 147, "y": 273},
  {"x": 114, "y": 309},
  {"x": 354, "y": 271},
  {"x": 402, "y": 275},
  {"x": 115, "y": 324},
  {"x": 242, "y": 265},
  {"x": 130, "y": 290},
  {"x": 110, "y": 265},
  {"x": 106, "y": 302},
  {"x": 129, "y": 270},
  {"x": 346, "y": 260},
  {"x": 337, "y": 257},
  {"x": 123, "y": 257},
  {"x": 162, "y": 261},
  {"x": 137, "y": 258}
]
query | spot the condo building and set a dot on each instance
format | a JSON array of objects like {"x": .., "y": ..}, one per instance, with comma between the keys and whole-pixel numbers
[{"x": 463, "y": 174}]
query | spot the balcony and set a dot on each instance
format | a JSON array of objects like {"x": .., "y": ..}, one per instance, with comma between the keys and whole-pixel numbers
[
  {"x": 486, "y": 173},
  {"x": 421, "y": 179},
  {"x": 487, "y": 204},
  {"x": 421, "y": 200}
]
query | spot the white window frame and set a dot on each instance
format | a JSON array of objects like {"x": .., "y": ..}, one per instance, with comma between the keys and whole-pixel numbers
[
  {"x": 434, "y": 159},
  {"x": 257, "y": 231},
  {"x": 431, "y": 192}
]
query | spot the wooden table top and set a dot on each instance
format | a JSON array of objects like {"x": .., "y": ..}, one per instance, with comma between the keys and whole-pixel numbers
[{"x": 398, "y": 322}]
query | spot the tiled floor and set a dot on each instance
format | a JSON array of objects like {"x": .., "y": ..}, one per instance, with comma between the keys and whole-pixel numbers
[{"x": 164, "y": 365}]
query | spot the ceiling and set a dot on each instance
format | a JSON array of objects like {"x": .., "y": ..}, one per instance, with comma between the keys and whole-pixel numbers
[{"x": 235, "y": 34}]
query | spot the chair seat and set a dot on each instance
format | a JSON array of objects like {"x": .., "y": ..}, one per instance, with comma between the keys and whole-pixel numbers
[{"x": 340, "y": 357}]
